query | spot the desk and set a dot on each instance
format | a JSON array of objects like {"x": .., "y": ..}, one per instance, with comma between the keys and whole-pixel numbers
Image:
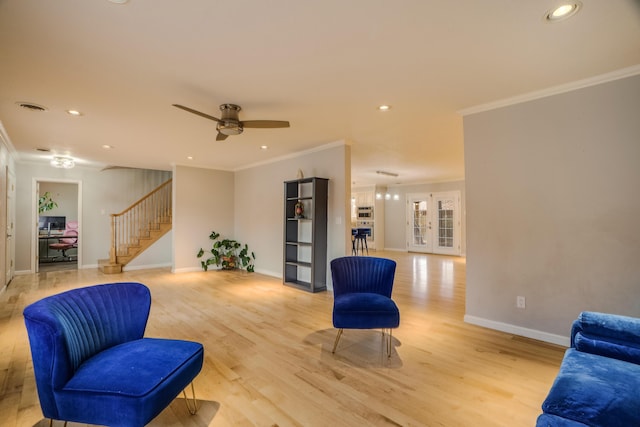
[{"x": 45, "y": 240}]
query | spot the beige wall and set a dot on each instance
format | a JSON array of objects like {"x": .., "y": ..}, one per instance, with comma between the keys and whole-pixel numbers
[
  {"x": 66, "y": 197},
  {"x": 552, "y": 209},
  {"x": 259, "y": 203},
  {"x": 202, "y": 202}
]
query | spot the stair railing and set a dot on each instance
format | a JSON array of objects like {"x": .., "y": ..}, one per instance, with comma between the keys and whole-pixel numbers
[{"x": 138, "y": 219}]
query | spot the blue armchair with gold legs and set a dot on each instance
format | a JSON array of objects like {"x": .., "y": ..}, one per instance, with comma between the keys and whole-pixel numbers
[
  {"x": 92, "y": 363},
  {"x": 362, "y": 288}
]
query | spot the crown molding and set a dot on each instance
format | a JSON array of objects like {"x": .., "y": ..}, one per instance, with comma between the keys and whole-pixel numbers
[
  {"x": 338, "y": 143},
  {"x": 554, "y": 90}
]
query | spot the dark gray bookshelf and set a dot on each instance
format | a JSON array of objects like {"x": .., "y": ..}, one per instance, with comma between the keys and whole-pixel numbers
[{"x": 305, "y": 238}]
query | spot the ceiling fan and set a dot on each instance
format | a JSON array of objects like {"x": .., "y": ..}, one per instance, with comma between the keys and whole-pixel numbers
[{"x": 229, "y": 124}]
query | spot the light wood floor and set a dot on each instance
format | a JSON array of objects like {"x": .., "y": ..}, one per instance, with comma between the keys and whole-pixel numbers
[{"x": 268, "y": 358}]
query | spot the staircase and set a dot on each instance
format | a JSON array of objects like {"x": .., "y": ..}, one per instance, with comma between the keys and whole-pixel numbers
[{"x": 138, "y": 227}]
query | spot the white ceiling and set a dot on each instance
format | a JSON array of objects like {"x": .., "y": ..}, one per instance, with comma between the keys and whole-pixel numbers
[{"x": 322, "y": 65}]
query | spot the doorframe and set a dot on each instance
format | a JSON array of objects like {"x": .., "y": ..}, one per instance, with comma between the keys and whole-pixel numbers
[
  {"x": 10, "y": 227},
  {"x": 431, "y": 196},
  {"x": 35, "y": 242}
]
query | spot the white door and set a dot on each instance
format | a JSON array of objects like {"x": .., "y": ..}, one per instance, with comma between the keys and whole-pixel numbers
[
  {"x": 433, "y": 223},
  {"x": 10, "y": 246},
  {"x": 419, "y": 223},
  {"x": 446, "y": 228}
]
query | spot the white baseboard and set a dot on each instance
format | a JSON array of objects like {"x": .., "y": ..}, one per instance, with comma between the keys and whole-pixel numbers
[
  {"x": 145, "y": 267},
  {"x": 186, "y": 270},
  {"x": 396, "y": 249},
  {"x": 270, "y": 273},
  {"x": 518, "y": 330}
]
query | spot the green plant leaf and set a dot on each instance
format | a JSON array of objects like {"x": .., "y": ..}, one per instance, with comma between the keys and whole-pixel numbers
[{"x": 228, "y": 254}]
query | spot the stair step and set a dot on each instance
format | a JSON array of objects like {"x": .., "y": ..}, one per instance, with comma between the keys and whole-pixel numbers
[{"x": 107, "y": 267}]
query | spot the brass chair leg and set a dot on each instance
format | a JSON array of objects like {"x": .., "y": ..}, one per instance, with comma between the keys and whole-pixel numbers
[
  {"x": 388, "y": 342},
  {"x": 335, "y": 344},
  {"x": 192, "y": 410},
  {"x": 51, "y": 422}
]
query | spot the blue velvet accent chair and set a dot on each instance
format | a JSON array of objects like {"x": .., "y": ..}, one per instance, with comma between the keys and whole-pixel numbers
[
  {"x": 362, "y": 288},
  {"x": 93, "y": 365},
  {"x": 599, "y": 380}
]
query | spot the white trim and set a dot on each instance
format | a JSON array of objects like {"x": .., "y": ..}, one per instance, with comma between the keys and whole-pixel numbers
[
  {"x": 268, "y": 161},
  {"x": 186, "y": 270},
  {"x": 146, "y": 267},
  {"x": 338, "y": 143},
  {"x": 518, "y": 330},
  {"x": 4, "y": 138},
  {"x": 413, "y": 184},
  {"x": 270, "y": 273},
  {"x": 554, "y": 90}
]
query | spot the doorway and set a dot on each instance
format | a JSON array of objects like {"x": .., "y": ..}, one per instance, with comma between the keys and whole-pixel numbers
[
  {"x": 433, "y": 223},
  {"x": 7, "y": 262},
  {"x": 57, "y": 238}
]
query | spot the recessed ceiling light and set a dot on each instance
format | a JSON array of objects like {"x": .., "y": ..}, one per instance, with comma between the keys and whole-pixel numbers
[
  {"x": 74, "y": 113},
  {"x": 384, "y": 107},
  {"x": 107, "y": 146},
  {"x": 119, "y": 1},
  {"x": 563, "y": 11},
  {"x": 189, "y": 157},
  {"x": 263, "y": 147}
]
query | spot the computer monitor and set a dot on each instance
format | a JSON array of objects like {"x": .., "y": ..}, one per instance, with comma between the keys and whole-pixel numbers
[{"x": 52, "y": 222}]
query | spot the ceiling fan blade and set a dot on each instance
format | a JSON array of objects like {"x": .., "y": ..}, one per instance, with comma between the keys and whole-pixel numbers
[
  {"x": 265, "y": 124},
  {"x": 221, "y": 136},
  {"x": 191, "y": 110}
]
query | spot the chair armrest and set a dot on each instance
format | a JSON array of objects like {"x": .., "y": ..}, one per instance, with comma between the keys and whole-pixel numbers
[{"x": 608, "y": 335}]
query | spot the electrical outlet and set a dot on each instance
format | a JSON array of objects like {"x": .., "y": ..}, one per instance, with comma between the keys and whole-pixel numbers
[{"x": 520, "y": 302}]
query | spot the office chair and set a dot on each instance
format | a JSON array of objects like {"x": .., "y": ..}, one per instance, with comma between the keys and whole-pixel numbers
[{"x": 68, "y": 241}]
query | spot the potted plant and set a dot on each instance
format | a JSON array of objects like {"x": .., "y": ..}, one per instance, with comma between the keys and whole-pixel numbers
[
  {"x": 46, "y": 203},
  {"x": 228, "y": 254}
]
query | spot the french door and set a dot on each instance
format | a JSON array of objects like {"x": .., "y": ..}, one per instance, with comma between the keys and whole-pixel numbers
[{"x": 433, "y": 222}]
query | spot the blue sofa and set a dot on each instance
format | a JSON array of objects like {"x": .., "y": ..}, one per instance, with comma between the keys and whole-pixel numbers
[{"x": 599, "y": 379}]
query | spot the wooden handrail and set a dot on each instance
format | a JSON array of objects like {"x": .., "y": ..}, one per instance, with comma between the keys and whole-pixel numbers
[{"x": 138, "y": 219}]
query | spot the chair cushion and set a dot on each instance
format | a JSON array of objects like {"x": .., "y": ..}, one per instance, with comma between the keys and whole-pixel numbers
[
  {"x": 365, "y": 311},
  {"x": 131, "y": 383},
  {"x": 596, "y": 391}
]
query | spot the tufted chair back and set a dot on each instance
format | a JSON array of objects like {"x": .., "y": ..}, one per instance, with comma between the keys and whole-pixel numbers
[
  {"x": 357, "y": 274},
  {"x": 68, "y": 328}
]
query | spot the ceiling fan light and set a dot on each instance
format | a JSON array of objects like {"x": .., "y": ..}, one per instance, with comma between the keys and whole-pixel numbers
[{"x": 229, "y": 128}]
